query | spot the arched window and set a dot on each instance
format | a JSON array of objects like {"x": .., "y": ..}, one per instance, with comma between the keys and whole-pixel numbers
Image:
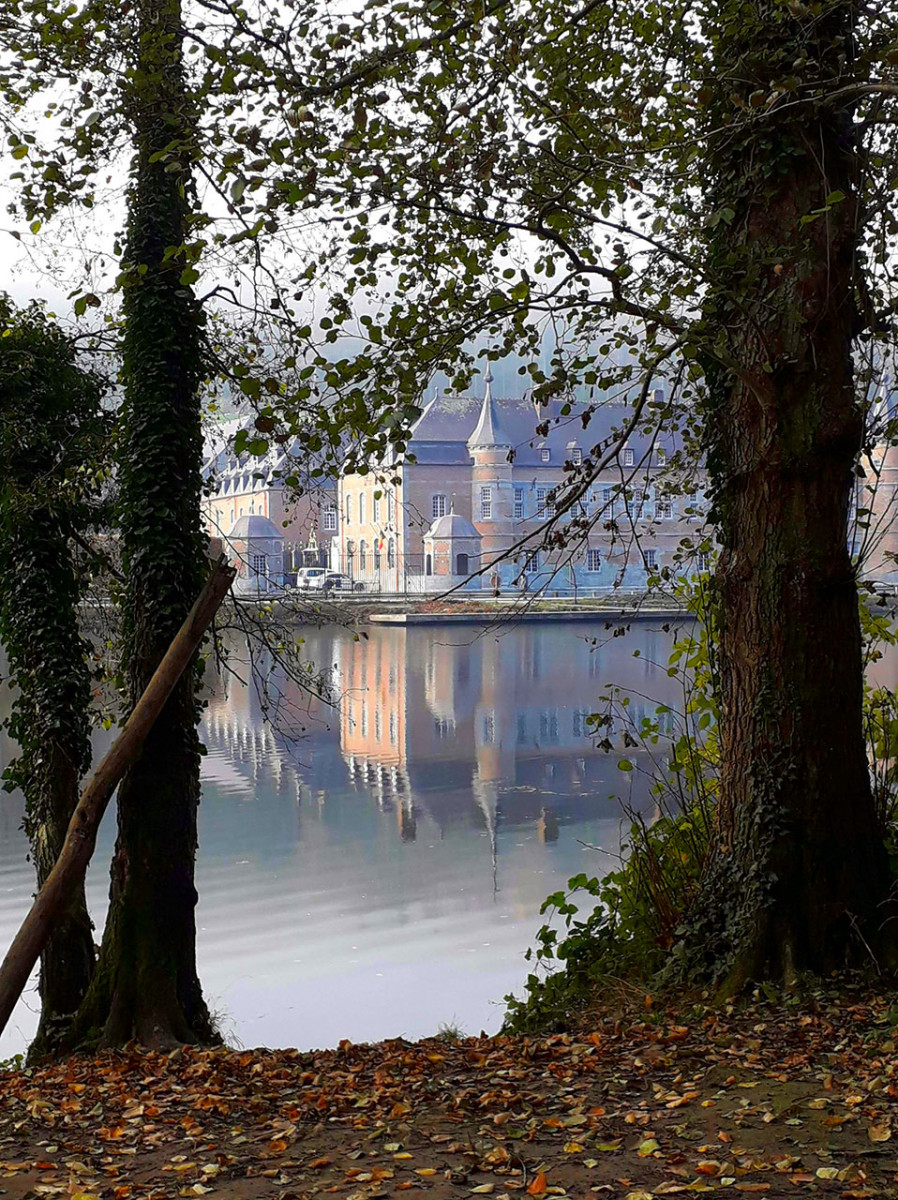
[
  {"x": 428, "y": 564},
  {"x": 391, "y": 553},
  {"x": 461, "y": 564},
  {"x": 378, "y": 546},
  {"x": 363, "y": 555}
]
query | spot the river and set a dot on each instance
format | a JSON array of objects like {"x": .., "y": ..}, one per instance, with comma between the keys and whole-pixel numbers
[{"x": 374, "y": 867}]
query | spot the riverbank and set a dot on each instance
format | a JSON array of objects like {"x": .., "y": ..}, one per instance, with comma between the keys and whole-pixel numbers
[
  {"x": 772, "y": 1099},
  {"x": 360, "y": 609}
]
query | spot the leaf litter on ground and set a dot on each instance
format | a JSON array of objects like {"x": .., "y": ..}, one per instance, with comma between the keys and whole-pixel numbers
[{"x": 763, "y": 1098}]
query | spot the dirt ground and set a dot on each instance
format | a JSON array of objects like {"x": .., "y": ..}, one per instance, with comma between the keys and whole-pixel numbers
[{"x": 770, "y": 1098}]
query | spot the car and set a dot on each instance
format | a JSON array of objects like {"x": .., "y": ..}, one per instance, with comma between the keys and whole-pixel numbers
[
  {"x": 335, "y": 582},
  {"x": 311, "y": 579}
]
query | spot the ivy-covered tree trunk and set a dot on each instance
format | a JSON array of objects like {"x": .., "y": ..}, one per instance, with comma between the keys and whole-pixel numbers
[
  {"x": 51, "y": 723},
  {"x": 146, "y": 985},
  {"x": 51, "y": 444},
  {"x": 799, "y": 870}
]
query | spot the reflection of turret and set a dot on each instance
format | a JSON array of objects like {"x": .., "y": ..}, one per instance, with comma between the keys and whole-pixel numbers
[
  {"x": 408, "y": 826},
  {"x": 547, "y": 825},
  {"x": 486, "y": 793}
]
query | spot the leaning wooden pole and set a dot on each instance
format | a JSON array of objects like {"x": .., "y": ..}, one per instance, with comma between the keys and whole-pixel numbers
[{"x": 81, "y": 836}]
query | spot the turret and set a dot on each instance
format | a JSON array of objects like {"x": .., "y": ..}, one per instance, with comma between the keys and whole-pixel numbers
[{"x": 492, "y": 496}]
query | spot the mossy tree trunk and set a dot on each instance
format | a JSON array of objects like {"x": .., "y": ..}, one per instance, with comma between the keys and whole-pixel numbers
[
  {"x": 52, "y": 439},
  {"x": 146, "y": 984},
  {"x": 799, "y": 870},
  {"x": 51, "y": 722}
]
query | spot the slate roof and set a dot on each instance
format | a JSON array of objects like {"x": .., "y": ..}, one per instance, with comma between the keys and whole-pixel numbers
[
  {"x": 488, "y": 430},
  {"x": 452, "y": 525},
  {"x": 444, "y": 430},
  {"x": 254, "y": 526}
]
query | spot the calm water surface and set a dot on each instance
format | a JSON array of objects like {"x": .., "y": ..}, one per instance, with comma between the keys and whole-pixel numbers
[{"x": 375, "y": 868}]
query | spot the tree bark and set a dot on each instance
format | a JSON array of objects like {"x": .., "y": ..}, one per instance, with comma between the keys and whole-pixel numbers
[
  {"x": 64, "y": 882},
  {"x": 799, "y": 870},
  {"x": 146, "y": 984},
  {"x": 52, "y": 427}
]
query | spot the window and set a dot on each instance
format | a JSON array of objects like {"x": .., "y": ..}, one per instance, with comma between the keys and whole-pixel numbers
[
  {"x": 391, "y": 553},
  {"x": 375, "y": 505},
  {"x": 438, "y": 507},
  {"x": 593, "y": 560},
  {"x": 393, "y": 728},
  {"x": 443, "y": 727},
  {"x": 581, "y": 725},
  {"x": 390, "y": 508},
  {"x": 545, "y": 454},
  {"x": 361, "y": 508},
  {"x": 660, "y": 458},
  {"x": 461, "y": 564},
  {"x": 607, "y": 494},
  {"x": 703, "y": 561},
  {"x": 329, "y": 519},
  {"x": 258, "y": 564},
  {"x": 378, "y": 546},
  {"x": 349, "y": 510},
  {"x": 531, "y": 563},
  {"x": 378, "y": 729},
  {"x": 651, "y": 560},
  {"x": 664, "y": 510},
  {"x": 489, "y": 728},
  {"x": 576, "y": 456},
  {"x": 548, "y": 726},
  {"x": 363, "y": 555},
  {"x": 486, "y": 504},
  {"x": 519, "y": 504},
  {"x": 545, "y": 503},
  {"x": 364, "y": 720},
  {"x": 629, "y": 457}
]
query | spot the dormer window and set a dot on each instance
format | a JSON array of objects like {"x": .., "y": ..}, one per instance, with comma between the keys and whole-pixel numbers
[
  {"x": 545, "y": 454},
  {"x": 629, "y": 457},
  {"x": 576, "y": 456},
  {"x": 661, "y": 457}
]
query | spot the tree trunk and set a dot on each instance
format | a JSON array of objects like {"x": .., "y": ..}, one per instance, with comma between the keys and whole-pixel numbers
[
  {"x": 146, "y": 983},
  {"x": 67, "y": 961},
  {"x": 39, "y": 589},
  {"x": 799, "y": 868},
  {"x": 67, "y": 875}
]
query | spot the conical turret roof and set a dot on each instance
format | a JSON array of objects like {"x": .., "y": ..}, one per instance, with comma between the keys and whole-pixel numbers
[{"x": 488, "y": 431}]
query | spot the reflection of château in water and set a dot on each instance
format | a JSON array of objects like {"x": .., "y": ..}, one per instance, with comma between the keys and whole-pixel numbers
[
  {"x": 436, "y": 714},
  {"x": 465, "y": 727}
]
